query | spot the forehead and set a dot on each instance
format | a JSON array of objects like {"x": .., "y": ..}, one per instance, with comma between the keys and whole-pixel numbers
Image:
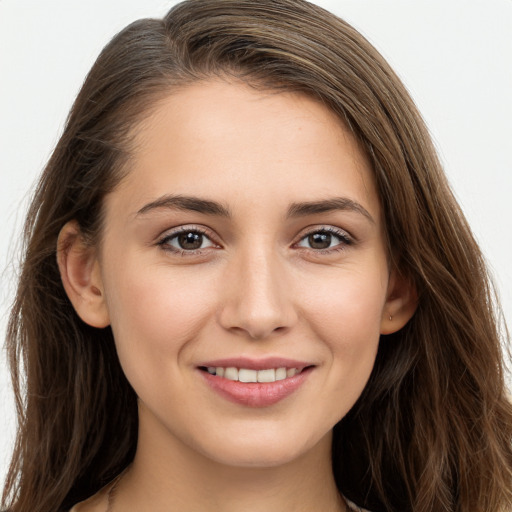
[{"x": 226, "y": 139}]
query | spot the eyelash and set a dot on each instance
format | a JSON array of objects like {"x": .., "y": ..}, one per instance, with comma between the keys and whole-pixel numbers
[
  {"x": 345, "y": 240},
  {"x": 164, "y": 242}
]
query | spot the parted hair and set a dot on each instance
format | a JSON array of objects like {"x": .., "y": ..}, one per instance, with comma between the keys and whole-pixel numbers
[{"x": 432, "y": 430}]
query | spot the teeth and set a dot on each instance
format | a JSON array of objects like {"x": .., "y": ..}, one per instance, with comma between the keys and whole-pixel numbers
[
  {"x": 267, "y": 375},
  {"x": 247, "y": 375},
  {"x": 231, "y": 373},
  {"x": 281, "y": 373}
]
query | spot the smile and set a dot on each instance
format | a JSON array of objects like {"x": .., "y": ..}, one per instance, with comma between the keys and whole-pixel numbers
[
  {"x": 255, "y": 383},
  {"x": 250, "y": 375}
]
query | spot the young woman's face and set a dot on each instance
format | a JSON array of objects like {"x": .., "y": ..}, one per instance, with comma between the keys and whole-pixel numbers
[{"x": 247, "y": 239}]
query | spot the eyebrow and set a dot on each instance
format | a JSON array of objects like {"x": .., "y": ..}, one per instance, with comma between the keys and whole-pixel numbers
[
  {"x": 179, "y": 202},
  {"x": 328, "y": 205},
  {"x": 208, "y": 207}
]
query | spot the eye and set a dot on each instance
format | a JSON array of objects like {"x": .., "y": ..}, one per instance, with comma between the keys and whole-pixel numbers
[
  {"x": 324, "y": 239},
  {"x": 186, "y": 240}
]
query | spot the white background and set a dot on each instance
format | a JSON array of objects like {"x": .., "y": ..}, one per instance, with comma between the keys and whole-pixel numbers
[{"x": 455, "y": 56}]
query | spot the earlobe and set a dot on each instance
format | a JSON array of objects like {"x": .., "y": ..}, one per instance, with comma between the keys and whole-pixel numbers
[
  {"x": 81, "y": 277},
  {"x": 401, "y": 303}
]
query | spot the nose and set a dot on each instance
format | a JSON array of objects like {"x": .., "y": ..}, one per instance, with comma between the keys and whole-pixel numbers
[{"x": 257, "y": 301}]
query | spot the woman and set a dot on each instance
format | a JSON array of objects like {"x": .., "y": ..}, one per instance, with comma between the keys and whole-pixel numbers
[{"x": 247, "y": 285}]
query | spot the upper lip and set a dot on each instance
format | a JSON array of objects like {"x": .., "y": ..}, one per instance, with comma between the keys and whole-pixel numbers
[{"x": 257, "y": 364}]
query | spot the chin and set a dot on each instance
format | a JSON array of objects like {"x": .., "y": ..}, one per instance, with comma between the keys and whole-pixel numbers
[
  {"x": 257, "y": 457},
  {"x": 264, "y": 450}
]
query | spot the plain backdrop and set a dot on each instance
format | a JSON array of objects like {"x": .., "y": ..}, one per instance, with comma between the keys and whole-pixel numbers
[{"x": 455, "y": 57}]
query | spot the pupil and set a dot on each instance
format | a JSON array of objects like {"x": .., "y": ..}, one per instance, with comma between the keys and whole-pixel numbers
[
  {"x": 190, "y": 240},
  {"x": 320, "y": 240}
]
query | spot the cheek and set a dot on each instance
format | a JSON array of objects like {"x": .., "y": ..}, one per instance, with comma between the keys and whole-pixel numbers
[
  {"x": 154, "y": 312},
  {"x": 347, "y": 307},
  {"x": 345, "y": 315}
]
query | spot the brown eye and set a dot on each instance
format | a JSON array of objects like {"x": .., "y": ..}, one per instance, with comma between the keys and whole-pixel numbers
[
  {"x": 320, "y": 240},
  {"x": 186, "y": 240},
  {"x": 190, "y": 240},
  {"x": 325, "y": 239}
]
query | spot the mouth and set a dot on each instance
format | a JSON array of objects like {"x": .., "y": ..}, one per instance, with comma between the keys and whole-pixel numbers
[
  {"x": 247, "y": 375},
  {"x": 255, "y": 383}
]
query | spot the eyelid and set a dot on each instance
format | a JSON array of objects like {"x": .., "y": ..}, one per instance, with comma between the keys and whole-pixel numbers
[
  {"x": 171, "y": 233},
  {"x": 346, "y": 238}
]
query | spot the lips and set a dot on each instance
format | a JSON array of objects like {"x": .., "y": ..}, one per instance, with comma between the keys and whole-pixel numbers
[{"x": 255, "y": 383}]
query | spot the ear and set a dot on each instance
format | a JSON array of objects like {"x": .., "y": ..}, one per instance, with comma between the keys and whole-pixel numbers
[
  {"x": 401, "y": 303},
  {"x": 80, "y": 273}
]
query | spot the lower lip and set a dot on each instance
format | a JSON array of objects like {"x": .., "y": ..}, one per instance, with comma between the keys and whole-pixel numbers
[{"x": 256, "y": 394}]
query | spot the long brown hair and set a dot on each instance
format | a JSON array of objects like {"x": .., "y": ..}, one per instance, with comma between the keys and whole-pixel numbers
[{"x": 432, "y": 430}]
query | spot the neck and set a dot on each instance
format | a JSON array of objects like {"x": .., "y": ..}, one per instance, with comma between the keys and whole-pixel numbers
[{"x": 168, "y": 475}]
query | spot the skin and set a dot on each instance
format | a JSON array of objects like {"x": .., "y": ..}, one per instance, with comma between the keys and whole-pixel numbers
[{"x": 255, "y": 288}]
